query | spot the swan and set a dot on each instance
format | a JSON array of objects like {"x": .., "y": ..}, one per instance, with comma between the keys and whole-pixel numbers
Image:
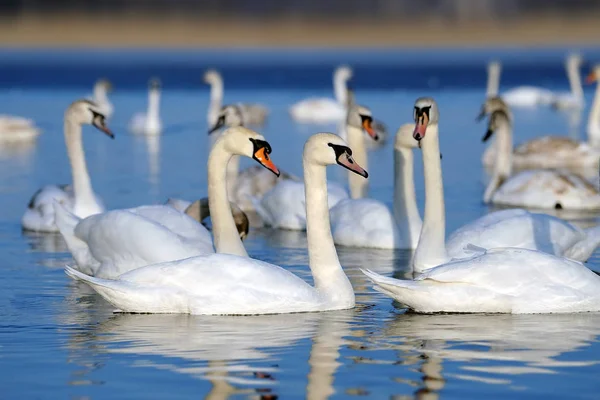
[
  {"x": 370, "y": 223},
  {"x": 148, "y": 123},
  {"x": 110, "y": 244},
  {"x": 503, "y": 280},
  {"x": 323, "y": 109},
  {"x": 100, "y": 97},
  {"x": 200, "y": 211},
  {"x": 283, "y": 206},
  {"x": 16, "y": 130},
  {"x": 522, "y": 96},
  {"x": 537, "y": 188},
  {"x": 252, "y": 182},
  {"x": 79, "y": 197},
  {"x": 506, "y": 228},
  {"x": 573, "y": 99},
  {"x": 548, "y": 151},
  {"x": 228, "y": 284},
  {"x": 253, "y": 114},
  {"x": 378, "y": 126}
]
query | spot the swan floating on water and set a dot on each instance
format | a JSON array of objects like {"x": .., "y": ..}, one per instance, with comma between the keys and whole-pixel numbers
[
  {"x": 148, "y": 123},
  {"x": 79, "y": 198},
  {"x": 228, "y": 284}
]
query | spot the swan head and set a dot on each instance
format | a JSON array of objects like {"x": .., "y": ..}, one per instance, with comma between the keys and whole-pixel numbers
[
  {"x": 246, "y": 142},
  {"x": 87, "y": 112},
  {"x": 594, "y": 75},
  {"x": 343, "y": 72},
  {"x": 329, "y": 149},
  {"x": 212, "y": 76},
  {"x": 425, "y": 113},
  {"x": 104, "y": 85},
  {"x": 575, "y": 60},
  {"x": 492, "y": 104},
  {"x": 229, "y": 115},
  {"x": 360, "y": 117},
  {"x": 497, "y": 119},
  {"x": 154, "y": 84}
]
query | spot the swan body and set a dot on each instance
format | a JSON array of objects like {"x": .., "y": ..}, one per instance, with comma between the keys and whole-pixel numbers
[
  {"x": 79, "y": 198},
  {"x": 370, "y": 223},
  {"x": 324, "y": 110},
  {"x": 101, "y": 90},
  {"x": 229, "y": 284},
  {"x": 283, "y": 207},
  {"x": 504, "y": 280},
  {"x": 110, "y": 244},
  {"x": 14, "y": 130},
  {"x": 148, "y": 123},
  {"x": 527, "y": 96},
  {"x": 252, "y": 113},
  {"x": 550, "y": 189}
]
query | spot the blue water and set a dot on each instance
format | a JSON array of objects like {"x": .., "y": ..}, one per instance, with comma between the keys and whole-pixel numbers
[{"x": 60, "y": 340}]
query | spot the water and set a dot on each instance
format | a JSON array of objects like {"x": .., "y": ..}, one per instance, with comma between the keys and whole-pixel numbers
[{"x": 60, "y": 340}]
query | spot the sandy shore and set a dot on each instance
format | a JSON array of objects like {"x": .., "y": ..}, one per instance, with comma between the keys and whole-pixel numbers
[{"x": 131, "y": 31}]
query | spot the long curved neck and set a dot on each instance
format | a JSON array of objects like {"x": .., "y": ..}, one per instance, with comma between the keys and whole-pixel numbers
[
  {"x": 225, "y": 233},
  {"x": 82, "y": 185},
  {"x": 359, "y": 186},
  {"x": 575, "y": 80},
  {"x": 216, "y": 101},
  {"x": 493, "y": 82},
  {"x": 340, "y": 89},
  {"x": 233, "y": 168},
  {"x": 100, "y": 94},
  {"x": 593, "y": 126},
  {"x": 431, "y": 250},
  {"x": 153, "y": 104},
  {"x": 406, "y": 212},
  {"x": 503, "y": 162},
  {"x": 330, "y": 280}
]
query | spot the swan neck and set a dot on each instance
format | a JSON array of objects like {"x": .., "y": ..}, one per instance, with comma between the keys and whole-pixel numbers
[
  {"x": 82, "y": 185},
  {"x": 406, "y": 212},
  {"x": 340, "y": 89},
  {"x": 330, "y": 280},
  {"x": 100, "y": 94},
  {"x": 431, "y": 250},
  {"x": 594, "y": 118},
  {"x": 493, "y": 82},
  {"x": 574, "y": 76},
  {"x": 226, "y": 237},
  {"x": 153, "y": 104},
  {"x": 503, "y": 163},
  {"x": 359, "y": 186},
  {"x": 216, "y": 101},
  {"x": 233, "y": 168}
]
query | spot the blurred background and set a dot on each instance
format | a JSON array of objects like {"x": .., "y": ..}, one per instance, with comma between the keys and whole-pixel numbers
[{"x": 215, "y": 23}]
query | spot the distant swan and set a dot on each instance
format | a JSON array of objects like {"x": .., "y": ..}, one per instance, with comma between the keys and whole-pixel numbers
[
  {"x": 17, "y": 130},
  {"x": 79, "y": 198},
  {"x": 148, "y": 123},
  {"x": 227, "y": 284},
  {"x": 101, "y": 90}
]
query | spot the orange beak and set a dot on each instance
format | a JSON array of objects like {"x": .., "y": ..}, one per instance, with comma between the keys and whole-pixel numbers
[
  {"x": 263, "y": 158},
  {"x": 368, "y": 127},
  {"x": 591, "y": 78},
  {"x": 421, "y": 127}
]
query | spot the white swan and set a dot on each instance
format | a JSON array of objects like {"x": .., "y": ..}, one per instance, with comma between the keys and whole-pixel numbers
[
  {"x": 17, "y": 130},
  {"x": 252, "y": 182},
  {"x": 542, "y": 189},
  {"x": 227, "y": 284},
  {"x": 283, "y": 206},
  {"x": 100, "y": 97},
  {"x": 323, "y": 109},
  {"x": 551, "y": 151},
  {"x": 253, "y": 114},
  {"x": 573, "y": 99},
  {"x": 370, "y": 223},
  {"x": 79, "y": 198},
  {"x": 509, "y": 228},
  {"x": 110, "y": 244},
  {"x": 148, "y": 123}
]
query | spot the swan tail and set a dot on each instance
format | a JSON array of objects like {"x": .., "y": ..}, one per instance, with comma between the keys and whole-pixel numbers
[
  {"x": 261, "y": 211},
  {"x": 583, "y": 249},
  {"x": 130, "y": 297},
  {"x": 66, "y": 223}
]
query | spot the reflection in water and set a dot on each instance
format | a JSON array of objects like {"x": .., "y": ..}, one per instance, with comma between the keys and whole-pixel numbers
[
  {"x": 153, "y": 149},
  {"x": 489, "y": 345},
  {"x": 45, "y": 242}
]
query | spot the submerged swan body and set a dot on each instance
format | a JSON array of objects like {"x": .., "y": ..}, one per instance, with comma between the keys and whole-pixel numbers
[
  {"x": 79, "y": 198},
  {"x": 228, "y": 284},
  {"x": 110, "y": 244}
]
